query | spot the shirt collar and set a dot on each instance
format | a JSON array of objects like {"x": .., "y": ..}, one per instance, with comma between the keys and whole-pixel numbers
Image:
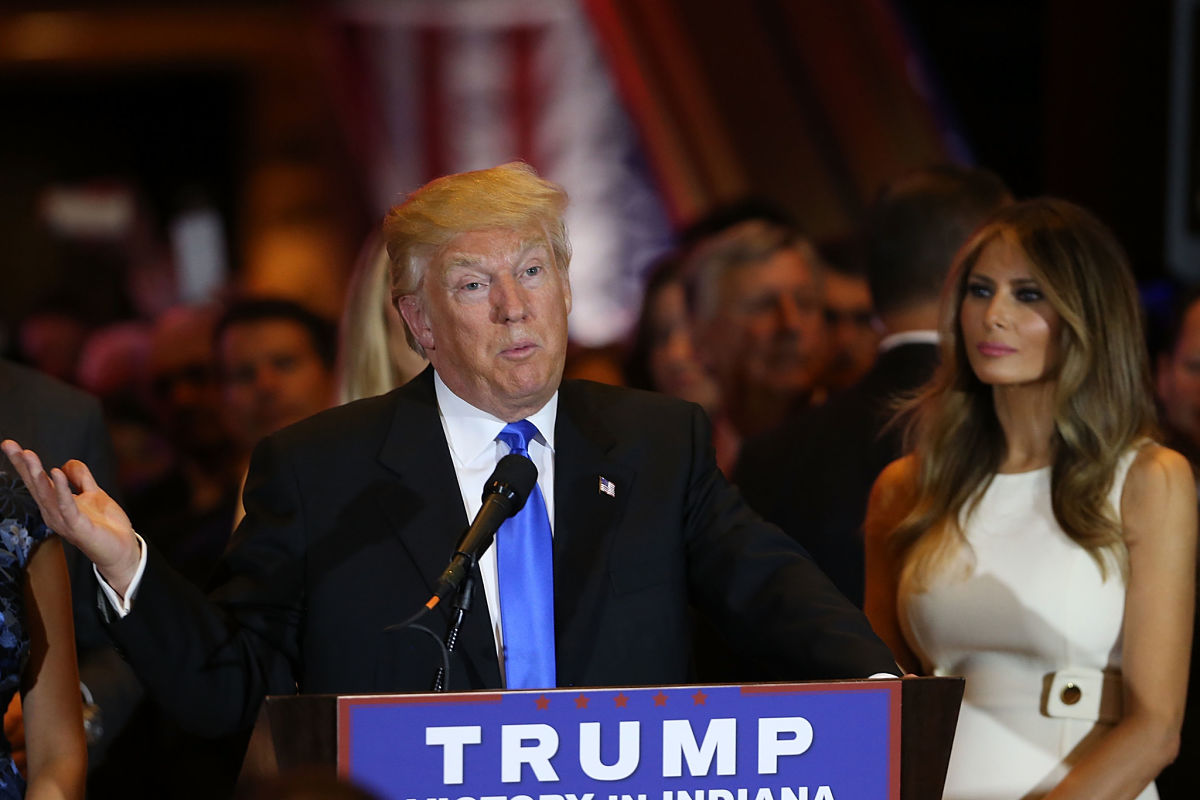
[
  {"x": 471, "y": 432},
  {"x": 908, "y": 337}
]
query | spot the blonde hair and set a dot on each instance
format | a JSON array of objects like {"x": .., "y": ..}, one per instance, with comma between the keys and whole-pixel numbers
[
  {"x": 367, "y": 362},
  {"x": 510, "y": 196},
  {"x": 1102, "y": 397}
]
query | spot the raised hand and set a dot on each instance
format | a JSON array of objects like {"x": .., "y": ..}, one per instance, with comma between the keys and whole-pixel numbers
[{"x": 89, "y": 519}]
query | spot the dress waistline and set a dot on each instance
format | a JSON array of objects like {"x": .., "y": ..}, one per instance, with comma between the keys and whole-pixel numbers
[{"x": 1082, "y": 693}]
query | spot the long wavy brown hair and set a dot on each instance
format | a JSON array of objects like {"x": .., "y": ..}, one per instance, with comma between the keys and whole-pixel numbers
[{"x": 1102, "y": 393}]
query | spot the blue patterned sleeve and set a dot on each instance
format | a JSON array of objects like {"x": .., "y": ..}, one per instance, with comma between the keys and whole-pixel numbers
[{"x": 21, "y": 524}]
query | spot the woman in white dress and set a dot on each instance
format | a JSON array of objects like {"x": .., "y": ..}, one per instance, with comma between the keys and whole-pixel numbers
[{"x": 1036, "y": 540}]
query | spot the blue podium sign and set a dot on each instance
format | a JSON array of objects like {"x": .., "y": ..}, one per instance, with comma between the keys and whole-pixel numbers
[{"x": 817, "y": 741}]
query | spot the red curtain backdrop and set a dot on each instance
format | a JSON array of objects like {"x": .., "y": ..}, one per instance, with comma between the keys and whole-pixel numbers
[{"x": 807, "y": 103}]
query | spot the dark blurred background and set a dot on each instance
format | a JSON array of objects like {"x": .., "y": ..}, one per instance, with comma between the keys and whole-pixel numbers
[{"x": 152, "y": 154}]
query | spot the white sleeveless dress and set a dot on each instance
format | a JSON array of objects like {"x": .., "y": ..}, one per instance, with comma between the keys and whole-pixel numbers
[{"x": 1035, "y": 631}]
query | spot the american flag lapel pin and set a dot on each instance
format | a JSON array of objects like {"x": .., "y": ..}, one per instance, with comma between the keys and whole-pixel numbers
[{"x": 608, "y": 487}]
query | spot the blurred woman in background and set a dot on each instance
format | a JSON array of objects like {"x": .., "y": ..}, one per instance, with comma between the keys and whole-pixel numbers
[
  {"x": 373, "y": 355},
  {"x": 662, "y": 355}
]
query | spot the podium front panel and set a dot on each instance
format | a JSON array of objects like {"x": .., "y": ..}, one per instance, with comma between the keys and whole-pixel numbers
[{"x": 825, "y": 741}]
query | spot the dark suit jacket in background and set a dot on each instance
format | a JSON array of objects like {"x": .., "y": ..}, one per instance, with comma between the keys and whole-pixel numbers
[
  {"x": 58, "y": 421},
  {"x": 813, "y": 476},
  {"x": 352, "y": 515}
]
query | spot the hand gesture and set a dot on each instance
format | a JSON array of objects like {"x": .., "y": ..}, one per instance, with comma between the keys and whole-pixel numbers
[{"x": 90, "y": 520}]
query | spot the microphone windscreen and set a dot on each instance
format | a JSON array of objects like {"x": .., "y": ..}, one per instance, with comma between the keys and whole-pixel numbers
[{"x": 514, "y": 477}]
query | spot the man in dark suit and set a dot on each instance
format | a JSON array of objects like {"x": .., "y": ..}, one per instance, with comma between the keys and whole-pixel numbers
[
  {"x": 813, "y": 475},
  {"x": 353, "y": 513}
]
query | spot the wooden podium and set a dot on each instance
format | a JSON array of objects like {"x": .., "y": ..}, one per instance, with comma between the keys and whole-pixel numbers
[{"x": 302, "y": 731}]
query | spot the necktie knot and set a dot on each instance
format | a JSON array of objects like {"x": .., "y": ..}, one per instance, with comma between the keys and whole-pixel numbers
[{"x": 517, "y": 435}]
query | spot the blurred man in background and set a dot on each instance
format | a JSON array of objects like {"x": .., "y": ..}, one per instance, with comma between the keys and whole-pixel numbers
[
  {"x": 854, "y": 329},
  {"x": 188, "y": 514},
  {"x": 276, "y": 361},
  {"x": 759, "y": 327}
]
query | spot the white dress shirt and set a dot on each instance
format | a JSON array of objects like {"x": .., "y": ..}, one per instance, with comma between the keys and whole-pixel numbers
[{"x": 893, "y": 340}]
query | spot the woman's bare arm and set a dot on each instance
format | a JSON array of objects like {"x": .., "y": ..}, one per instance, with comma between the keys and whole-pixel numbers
[
  {"x": 54, "y": 739},
  {"x": 891, "y": 499},
  {"x": 1158, "y": 511}
]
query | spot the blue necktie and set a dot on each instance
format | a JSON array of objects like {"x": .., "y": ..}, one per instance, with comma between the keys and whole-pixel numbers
[{"x": 526, "y": 574}]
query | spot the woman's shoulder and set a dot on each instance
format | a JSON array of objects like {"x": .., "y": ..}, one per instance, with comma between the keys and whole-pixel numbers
[
  {"x": 892, "y": 495},
  {"x": 898, "y": 477},
  {"x": 1155, "y": 469},
  {"x": 1158, "y": 486}
]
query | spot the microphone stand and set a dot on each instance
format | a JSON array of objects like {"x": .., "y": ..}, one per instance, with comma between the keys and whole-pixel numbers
[
  {"x": 462, "y": 604},
  {"x": 412, "y": 622}
]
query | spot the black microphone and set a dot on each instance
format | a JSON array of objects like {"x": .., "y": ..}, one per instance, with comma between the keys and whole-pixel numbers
[{"x": 504, "y": 494}]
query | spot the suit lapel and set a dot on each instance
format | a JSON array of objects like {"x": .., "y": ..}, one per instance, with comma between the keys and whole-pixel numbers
[
  {"x": 590, "y": 491},
  {"x": 430, "y": 522},
  {"x": 428, "y": 515}
]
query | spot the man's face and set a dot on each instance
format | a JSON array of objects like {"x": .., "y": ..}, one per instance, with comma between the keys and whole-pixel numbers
[
  {"x": 185, "y": 392},
  {"x": 273, "y": 377},
  {"x": 768, "y": 335},
  {"x": 492, "y": 317},
  {"x": 853, "y": 332},
  {"x": 1179, "y": 378}
]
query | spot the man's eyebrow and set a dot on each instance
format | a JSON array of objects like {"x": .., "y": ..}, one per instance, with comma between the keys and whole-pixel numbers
[
  {"x": 522, "y": 250},
  {"x": 463, "y": 260},
  {"x": 525, "y": 245}
]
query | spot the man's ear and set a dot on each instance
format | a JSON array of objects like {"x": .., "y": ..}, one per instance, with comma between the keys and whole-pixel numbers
[{"x": 413, "y": 311}]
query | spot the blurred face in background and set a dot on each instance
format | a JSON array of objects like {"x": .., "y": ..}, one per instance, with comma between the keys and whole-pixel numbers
[
  {"x": 184, "y": 388},
  {"x": 854, "y": 331},
  {"x": 674, "y": 366},
  {"x": 272, "y": 376},
  {"x": 1178, "y": 379},
  {"x": 768, "y": 333}
]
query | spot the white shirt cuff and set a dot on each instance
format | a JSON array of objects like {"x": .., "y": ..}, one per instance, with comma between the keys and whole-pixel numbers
[{"x": 123, "y": 605}]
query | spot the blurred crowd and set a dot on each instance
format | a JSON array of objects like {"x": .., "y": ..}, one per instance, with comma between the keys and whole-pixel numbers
[{"x": 746, "y": 316}]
